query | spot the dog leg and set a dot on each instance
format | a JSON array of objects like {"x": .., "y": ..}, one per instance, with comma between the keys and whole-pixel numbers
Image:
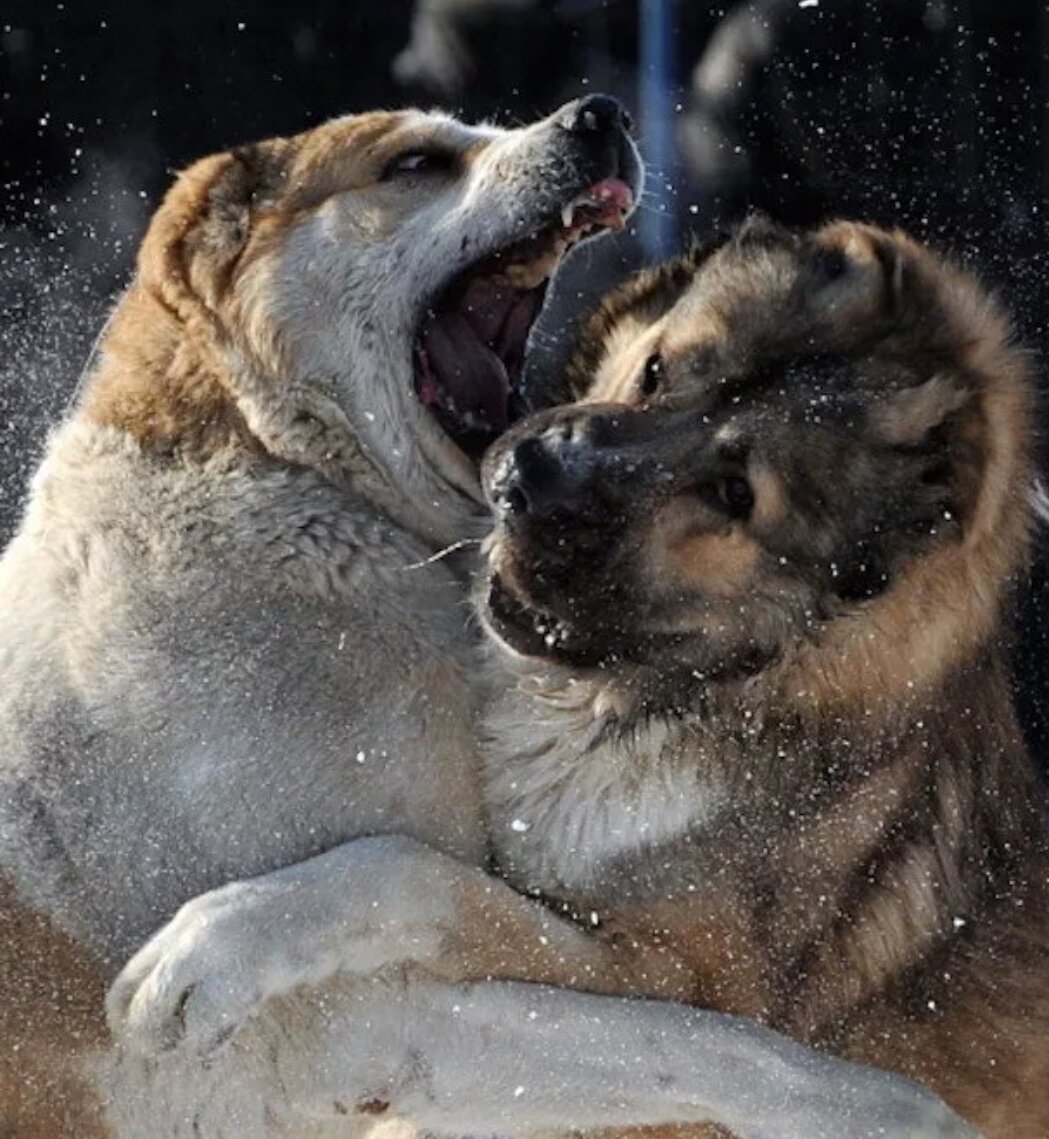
[
  {"x": 517, "y": 1059},
  {"x": 513, "y": 1058},
  {"x": 483, "y": 1058},
  {"x": 369, "y": 904}
]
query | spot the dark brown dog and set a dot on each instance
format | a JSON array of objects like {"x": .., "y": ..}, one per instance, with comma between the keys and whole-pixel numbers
[{"x": 751, "y": 590}]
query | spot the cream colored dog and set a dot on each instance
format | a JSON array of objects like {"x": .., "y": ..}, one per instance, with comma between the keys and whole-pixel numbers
[{"x": 228, "y": 652}]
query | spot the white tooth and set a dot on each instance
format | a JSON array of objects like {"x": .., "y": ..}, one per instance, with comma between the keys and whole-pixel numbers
[{"x": 567, "y": 213}]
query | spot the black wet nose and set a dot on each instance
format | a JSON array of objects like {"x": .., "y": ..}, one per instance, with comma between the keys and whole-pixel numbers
[
  {"x": 594, "y": 113},
  {"x": 532, "y": 480}
]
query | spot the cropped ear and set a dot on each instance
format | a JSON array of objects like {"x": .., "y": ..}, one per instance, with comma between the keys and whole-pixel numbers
[
  {"x": 253, "y": 178},
  {"x": 204, "y": 222},
  {"x": 940, "y": 424},
  {"x": 856, "y": 272},
  {"x": 758, "y": 230},
  {"x": 907, "y": 417}
]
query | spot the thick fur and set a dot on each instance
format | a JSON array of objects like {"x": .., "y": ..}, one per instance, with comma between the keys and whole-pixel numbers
[
  {"x": 227, "y": 653},
  {"x": 750, "y": 599}
]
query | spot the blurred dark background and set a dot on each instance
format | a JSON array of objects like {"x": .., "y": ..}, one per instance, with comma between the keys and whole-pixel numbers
[{"x": 933, "y": 114}]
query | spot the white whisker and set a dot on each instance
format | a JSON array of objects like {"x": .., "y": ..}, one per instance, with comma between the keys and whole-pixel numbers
[
  {"x": 442, "y": 553},
  {"x": 1039, "y": 499}
]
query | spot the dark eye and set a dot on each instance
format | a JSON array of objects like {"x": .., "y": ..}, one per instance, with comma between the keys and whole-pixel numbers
[
  {"x": 418, "y": 162},
  {"x": 653, "y": 374},
  {"x": 734, "y": 496}
]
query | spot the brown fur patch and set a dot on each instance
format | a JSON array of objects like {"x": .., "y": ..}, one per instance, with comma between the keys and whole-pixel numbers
[
  {"x": 161, "y": 387},
  {"x": 162, "y": 375},
  {"x": 50, "y": 1019},
  {"x": 630, "y": 344},
  {"x": 718, "y": 563},
  {"x": 770, "y": 503},
  {"x": 645, "y": 298}
]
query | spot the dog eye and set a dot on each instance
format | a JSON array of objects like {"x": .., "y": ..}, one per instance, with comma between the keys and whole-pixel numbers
[
  {"x": 732, "y": 495},
  {"x": 419, "y": 162},
  {"x": 653, "y": 374}
]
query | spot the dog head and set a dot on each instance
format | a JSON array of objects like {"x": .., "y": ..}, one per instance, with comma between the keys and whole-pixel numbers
[
  {"x": 795, "y": 458},
  {"x": 367, "y": 287}
]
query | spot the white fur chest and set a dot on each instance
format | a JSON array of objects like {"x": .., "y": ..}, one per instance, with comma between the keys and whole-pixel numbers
[{"x": 568, "y": 793}]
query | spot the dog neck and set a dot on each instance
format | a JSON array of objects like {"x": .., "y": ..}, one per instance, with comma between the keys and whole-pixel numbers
[
  {"x": 840, "y": 854},
  {"x": 179, "y": 392},
  {"x": 578, "y": 779}
]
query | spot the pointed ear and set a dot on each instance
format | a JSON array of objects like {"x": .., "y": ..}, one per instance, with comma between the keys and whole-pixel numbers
[{"x": 907, "y": 417}]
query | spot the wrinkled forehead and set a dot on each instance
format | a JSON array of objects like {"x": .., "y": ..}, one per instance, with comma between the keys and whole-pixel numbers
[
  {"x": 380, "y": 131},
  {"x": 352, "y": 151},
  {"x": 758, "y": 298},
  {"x": 742, "y": 303},
  {"x": 737, "y": 313},
  {"x": 782, "y": 293}
]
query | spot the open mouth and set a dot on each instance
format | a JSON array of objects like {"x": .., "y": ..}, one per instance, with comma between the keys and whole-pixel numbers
[
  {"x": 531, "y": 632},
  {"x": 470, "y": 350}
]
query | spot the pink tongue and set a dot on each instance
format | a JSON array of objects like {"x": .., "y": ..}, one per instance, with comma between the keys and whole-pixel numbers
[
  {"x": 484, "y": 305},
  {"x": 613, "y": 192},
  {"x": 499, "y": 314},
  {"x": 516, "y": 326},
  {"x": 469, "y": 371}
]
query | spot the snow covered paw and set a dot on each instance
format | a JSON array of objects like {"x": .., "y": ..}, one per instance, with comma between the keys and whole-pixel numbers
[{"x": 193, "y": 984}]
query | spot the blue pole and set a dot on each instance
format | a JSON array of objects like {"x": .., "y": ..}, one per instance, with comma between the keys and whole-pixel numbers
[{"x": 656, "y": 100}]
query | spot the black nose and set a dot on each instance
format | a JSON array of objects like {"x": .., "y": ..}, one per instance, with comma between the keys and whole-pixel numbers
[
  {"x": 594, "y": 113},
  {"x": 532, "y": 479}
]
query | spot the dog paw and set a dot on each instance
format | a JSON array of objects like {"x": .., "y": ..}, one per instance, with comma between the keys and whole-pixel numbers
[
  {"x": 359, "y": 909},
  {"x": 195, "y": 982}
]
